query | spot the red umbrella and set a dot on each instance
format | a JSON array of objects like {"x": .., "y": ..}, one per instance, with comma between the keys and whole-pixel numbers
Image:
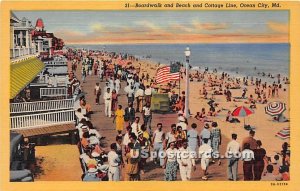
[{"x": 242, "y": 111}]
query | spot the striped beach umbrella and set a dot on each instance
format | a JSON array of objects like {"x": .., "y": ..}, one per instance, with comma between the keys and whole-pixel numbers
[
  {"x": 275, "y": 108},
  {"x": 242, "y": 111}
]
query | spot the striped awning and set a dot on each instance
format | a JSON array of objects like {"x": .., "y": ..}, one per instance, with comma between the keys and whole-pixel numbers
[{"x": 22, "y": 73}]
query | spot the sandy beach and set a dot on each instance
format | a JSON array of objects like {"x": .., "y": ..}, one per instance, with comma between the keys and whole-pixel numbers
[{"x": 265, "y": 127}]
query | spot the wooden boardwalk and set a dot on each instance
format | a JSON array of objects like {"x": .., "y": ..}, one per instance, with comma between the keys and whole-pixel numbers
[{"x": 106, "y": 128}]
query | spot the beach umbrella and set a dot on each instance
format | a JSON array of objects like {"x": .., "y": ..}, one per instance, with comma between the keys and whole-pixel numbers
[
  {"x": 242, "y": 111},
  {"x": 275, "y": 108}
]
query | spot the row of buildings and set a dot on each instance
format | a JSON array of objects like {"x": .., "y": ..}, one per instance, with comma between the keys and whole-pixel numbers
[{"x": 26, "y": 39}]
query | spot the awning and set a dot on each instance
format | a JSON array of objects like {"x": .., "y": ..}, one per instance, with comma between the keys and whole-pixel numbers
[{"x": 22, "y": 73}]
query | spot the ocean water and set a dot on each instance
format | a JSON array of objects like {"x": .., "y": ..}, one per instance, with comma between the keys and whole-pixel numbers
[{"x": 238, "y": 59}]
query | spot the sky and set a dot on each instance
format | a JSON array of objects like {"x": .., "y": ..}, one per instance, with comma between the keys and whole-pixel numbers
[{"x": 127, "y": 27}]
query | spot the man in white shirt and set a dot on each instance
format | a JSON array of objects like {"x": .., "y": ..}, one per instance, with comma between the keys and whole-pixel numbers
[
  {"x": 129, "y": 90},
  {"x": 205, "y": 152},
  {"x": 130, "y": 81},
  {"x": 158, "y": 138},
  {"x": 136, "y": 126},
  {"x": 107, "y": 102},
  {"x": 139, "y": 96},
  {"x": 147, "y": 115},
  {"x": 148, "y": 94},
  {"x": 117, "y": 85},
  {"x": 170, "y": 136},
  {"x": 114, "y": 162},
  {"x": 182, "y": 123},
  {"x": 186, "y": 161},
  {"x": 232, "y": 151}
]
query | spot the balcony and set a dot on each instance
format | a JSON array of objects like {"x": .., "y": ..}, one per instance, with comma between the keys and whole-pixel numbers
[{"x": 21, "y": 51}]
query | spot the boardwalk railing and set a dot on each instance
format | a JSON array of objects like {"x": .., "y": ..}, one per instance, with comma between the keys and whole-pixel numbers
[
  {"x": 38, "y": 106},
  {"x": 56, "y": 62},
  {"x": 42, "y": 119},
  {"x": 53, "y": 92}
]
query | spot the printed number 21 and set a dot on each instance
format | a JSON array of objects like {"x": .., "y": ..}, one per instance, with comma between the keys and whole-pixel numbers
[{"x": 127, "y": 5}]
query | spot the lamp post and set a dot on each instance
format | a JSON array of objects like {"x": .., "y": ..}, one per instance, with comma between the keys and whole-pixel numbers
[{"x": 187, "y": 53}]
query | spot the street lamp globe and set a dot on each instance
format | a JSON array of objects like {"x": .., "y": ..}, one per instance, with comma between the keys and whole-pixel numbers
[{"x": 187, "y": 51}]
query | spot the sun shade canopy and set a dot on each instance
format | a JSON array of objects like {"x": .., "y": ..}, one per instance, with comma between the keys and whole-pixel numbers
[{"x": 22, "y": 73}]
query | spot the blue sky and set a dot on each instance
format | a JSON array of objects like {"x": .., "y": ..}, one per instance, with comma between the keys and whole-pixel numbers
[{"x": 164, "y": 26}]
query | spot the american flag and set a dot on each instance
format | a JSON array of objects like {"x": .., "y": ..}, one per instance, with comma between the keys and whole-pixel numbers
[{"x": 167, "y": 73}]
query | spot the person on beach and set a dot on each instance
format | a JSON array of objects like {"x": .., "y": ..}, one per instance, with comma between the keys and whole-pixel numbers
[
  {"x": 216, "y": 139},
  {"x": 193, "y": 138},
  {"x": 97, "y": 93},
  {"x": 170, "y": 163},
  {"x": 233, "y": 148},
  {"x": 269, "y": 176},
  {"x": 205, "y": 151},
  {"x": 186, "y": 161},
  {"x": 107, "y": 102},
  {"x": 231, "y": 119},
  {"x": 119, "y": 119},
  {"x": 157, "y": 140},
  {"x": 248, "y": 159},
  {"x": 129, "y": 116},
  {"x": 259, "y": 160}
]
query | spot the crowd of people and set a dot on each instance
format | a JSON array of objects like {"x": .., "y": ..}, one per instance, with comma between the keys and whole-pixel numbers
[{"x": 137, "y": 143}]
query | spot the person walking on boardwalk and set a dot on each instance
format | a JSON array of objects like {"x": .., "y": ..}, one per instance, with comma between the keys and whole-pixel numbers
[
  {"x": 216, "y": 141},
  {"x": 250, "y": 139},
  {"x": 233, "y": 148},
  {"x": 205, "y": 134},
  {"x": 129, "y": 116},
  {"x": 193, "y": 138},
  {"x": 119, "y": 119},
  {"x": 114, "y": 101},
  {"x": 97, "y": 93},
  {"x": 170, "y": 163},
  {"x": 157, "y": 140},
  {"x": 248, "y": 158},
  {"x": 107, "y": 102},
  {"x": 114, "y": 162},
  {"x": 136, "y": 126},
  {"x": 147, "y": 116},
  {"x": 259, "y": 161},
  {"x": 205, "y": 151},
  {"x": 139, "y": 95},
  {"x": 186, "y": 161}
]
